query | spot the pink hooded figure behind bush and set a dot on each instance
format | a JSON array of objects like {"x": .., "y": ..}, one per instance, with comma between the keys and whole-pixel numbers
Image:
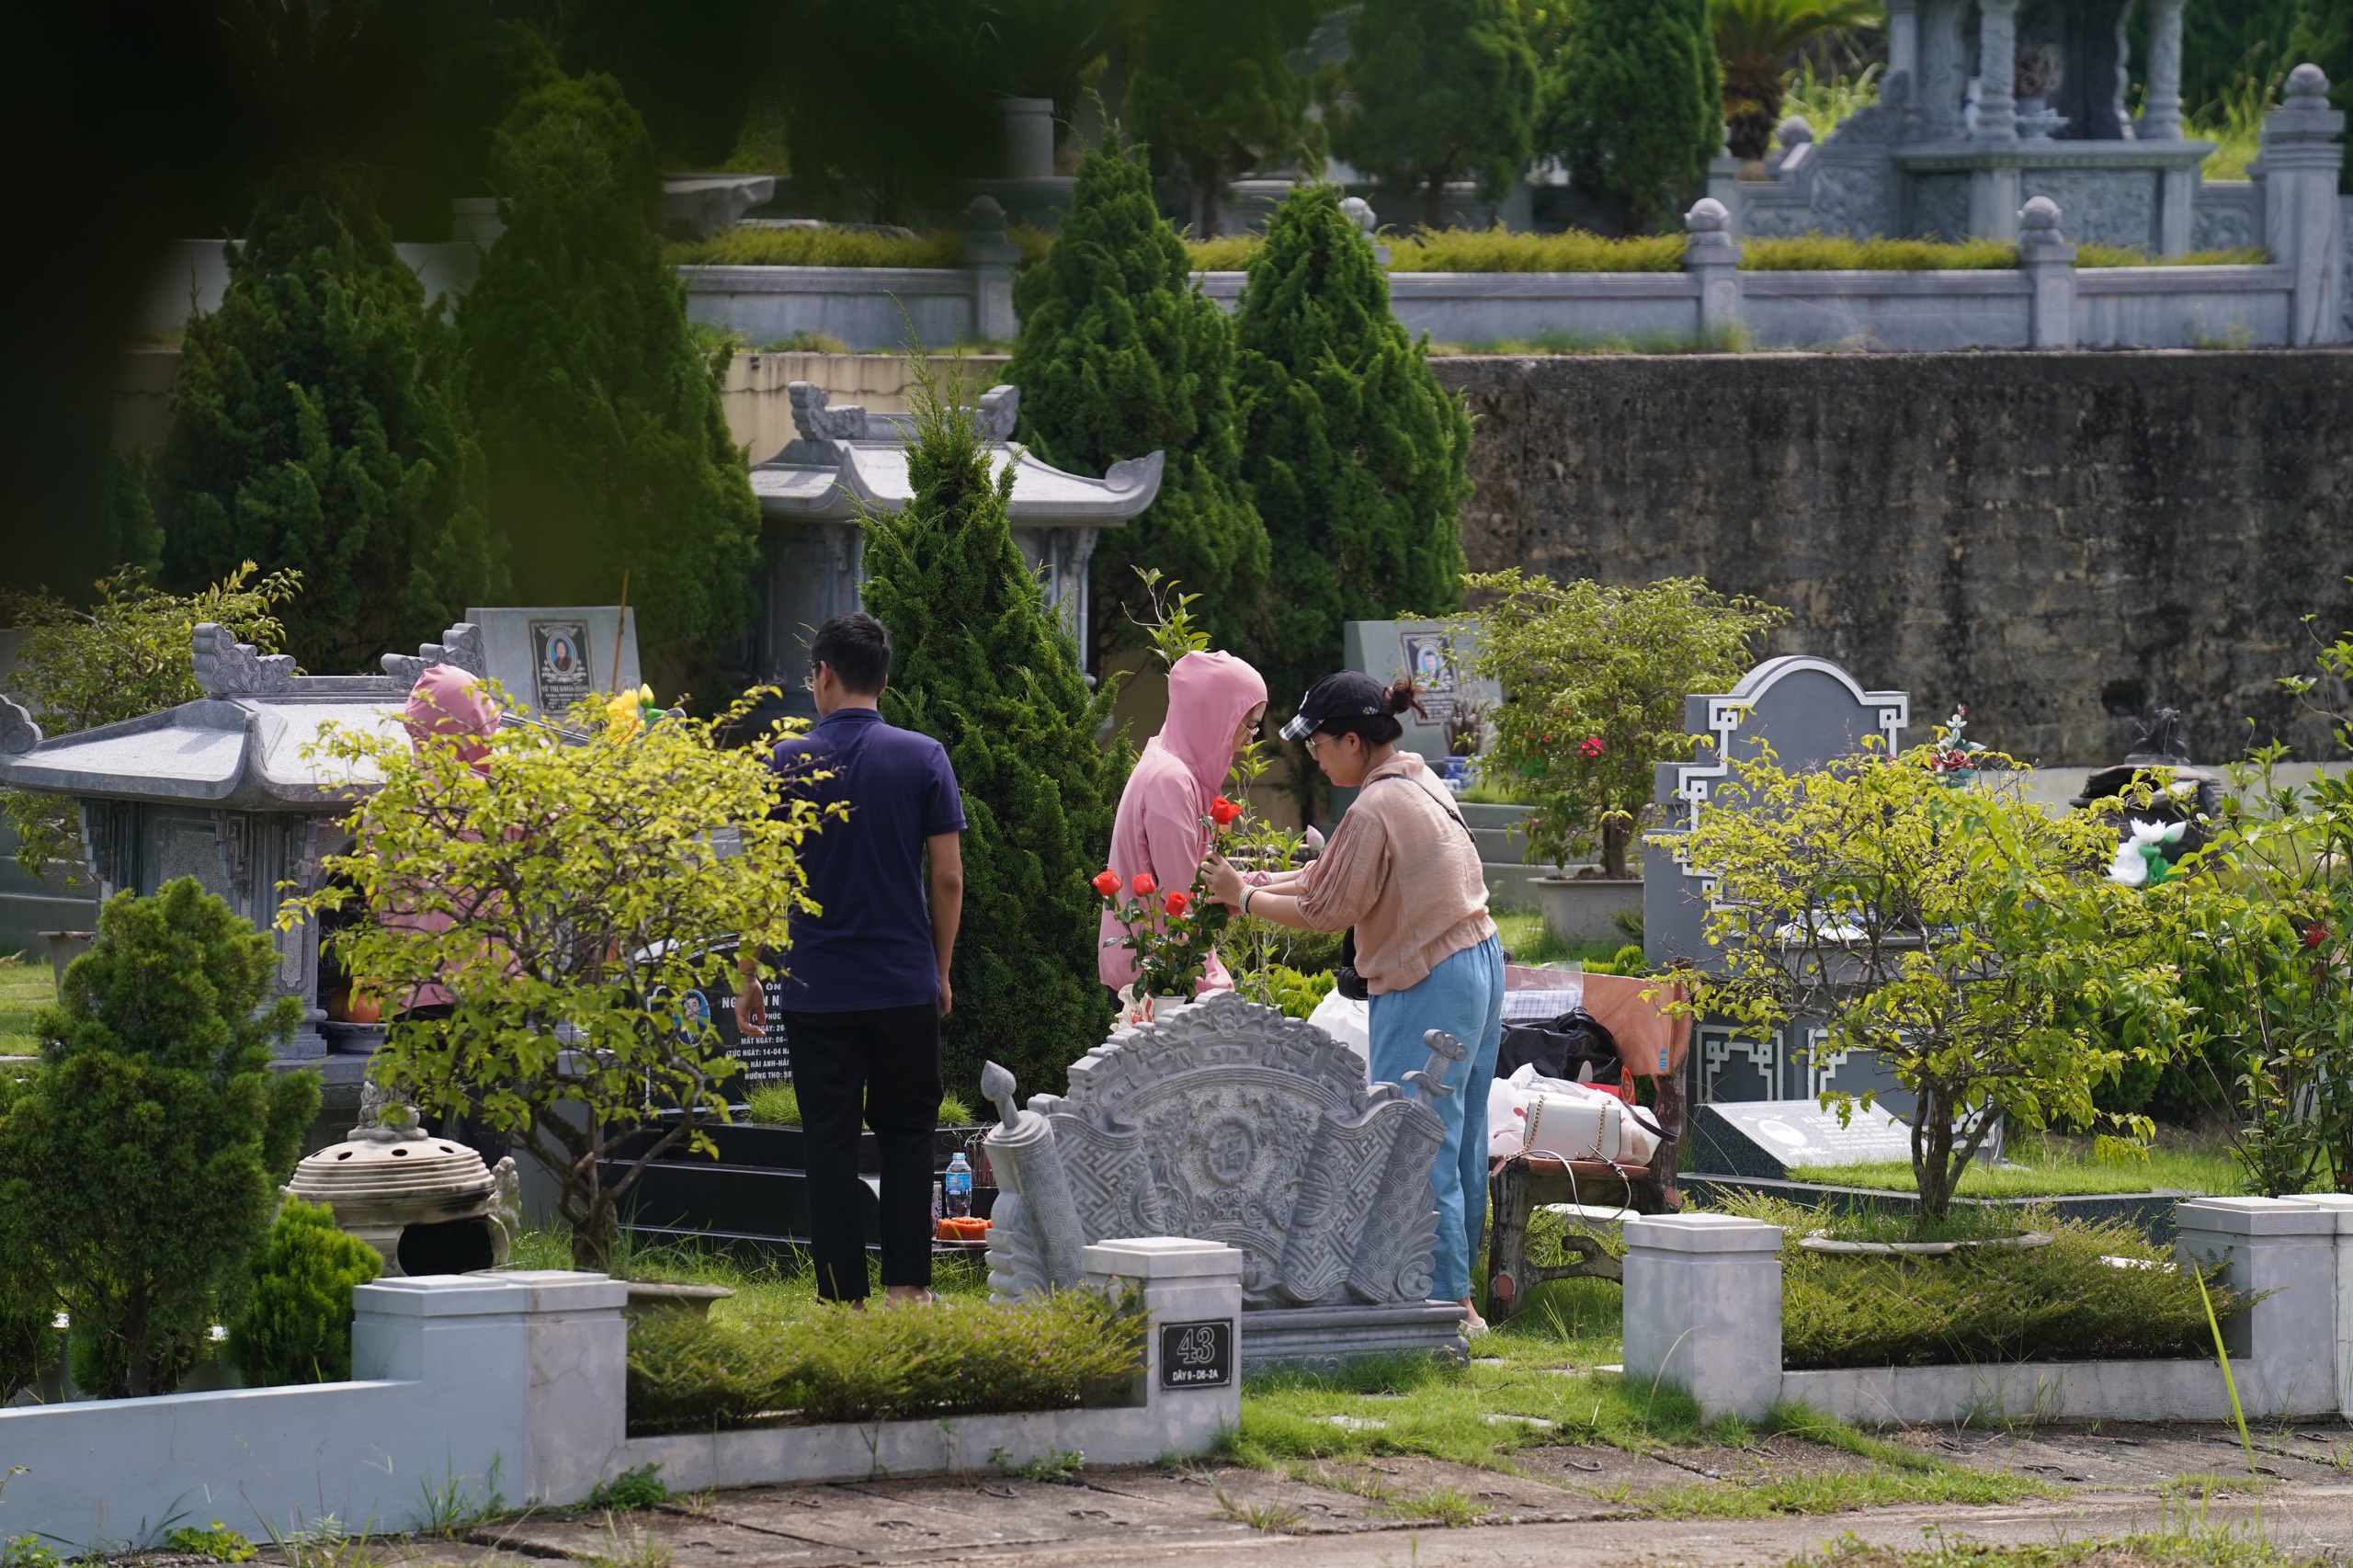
[{"x": 1163, "y": 830}]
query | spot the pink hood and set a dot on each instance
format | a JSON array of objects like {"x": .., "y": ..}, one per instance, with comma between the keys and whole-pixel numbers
[
  {"x": 447, "y": 700},
  {"x": 1159, "y": 829}
]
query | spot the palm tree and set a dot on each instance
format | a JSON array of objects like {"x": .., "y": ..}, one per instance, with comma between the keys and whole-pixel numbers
[{"x": 1754, "y": 38}]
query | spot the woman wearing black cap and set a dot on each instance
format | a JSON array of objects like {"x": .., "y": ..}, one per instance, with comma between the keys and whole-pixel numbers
[{"x": 1401, "y": 869}]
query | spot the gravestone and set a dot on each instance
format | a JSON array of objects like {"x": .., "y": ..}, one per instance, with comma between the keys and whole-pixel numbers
[
  {"x": 550, "y": 656},
  {"x": 1808, "y": 711},
  {"x": 1227, "y": 1121},
  {"x": 1429, "y": 651},
  {"x": 1766, "y": 1138}
]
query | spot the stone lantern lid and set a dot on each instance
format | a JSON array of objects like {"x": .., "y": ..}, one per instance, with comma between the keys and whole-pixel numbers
[{"x": 396, "y": 1174}]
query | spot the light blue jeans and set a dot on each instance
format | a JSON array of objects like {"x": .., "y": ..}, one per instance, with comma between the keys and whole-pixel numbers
[{"x": 1464, "y": 996}]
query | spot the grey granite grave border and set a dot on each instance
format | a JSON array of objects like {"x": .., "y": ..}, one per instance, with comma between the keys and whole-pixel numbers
[{"x": 2150, "y": 1212}]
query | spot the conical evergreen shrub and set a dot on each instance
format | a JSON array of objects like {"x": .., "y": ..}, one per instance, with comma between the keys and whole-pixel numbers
[
  {"x": 314, "y": 427},
  {"x": 1120, "y": 355},
  {"x": 985, "y": 668},
  {"x": 599, "y": 414},
  {"x": 1355, "y": 455},
  {"x": 296, "y": 1326},
  {"x": 1635, "y": 108},
  {"x": 153, "y": 1138}
]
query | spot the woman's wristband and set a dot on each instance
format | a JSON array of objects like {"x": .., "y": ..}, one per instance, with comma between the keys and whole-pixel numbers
[{"x": 1247, "y": 890}]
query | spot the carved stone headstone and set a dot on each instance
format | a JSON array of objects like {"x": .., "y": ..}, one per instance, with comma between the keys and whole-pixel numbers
[
  {"x": 1808, "y": 711},
  {"x": 1229, "y": 1122}
]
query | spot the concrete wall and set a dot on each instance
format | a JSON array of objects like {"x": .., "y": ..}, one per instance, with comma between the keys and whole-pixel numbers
[
  {"x": 864, "y": 307},
  {"x": 2061, "y": 541}
]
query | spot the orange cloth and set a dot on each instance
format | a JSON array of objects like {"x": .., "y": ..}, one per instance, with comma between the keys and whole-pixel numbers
[{"x": 1651, "y": 1040}]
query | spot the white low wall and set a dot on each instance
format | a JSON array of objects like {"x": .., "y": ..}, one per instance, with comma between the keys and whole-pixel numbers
[
  {"x": 859, "y": 305},
  {"x": 517, "y": 1383},
  {"x": 2044, "y": 1391},
  {"x": 1704, "y": 1311},
  {"x": 1911, "y": 310},
  {"x": 2182, "y": 307}
]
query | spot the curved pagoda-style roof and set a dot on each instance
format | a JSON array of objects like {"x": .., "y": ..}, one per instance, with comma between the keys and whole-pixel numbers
[
  {"x": 241, "y": 745},
  {"x": 845, "y": 458}
]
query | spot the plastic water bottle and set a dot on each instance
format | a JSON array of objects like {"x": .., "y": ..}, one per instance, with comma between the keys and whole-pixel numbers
[{"x": 959, "y": 1183}]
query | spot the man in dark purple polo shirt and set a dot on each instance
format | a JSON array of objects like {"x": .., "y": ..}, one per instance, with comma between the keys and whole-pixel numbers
[{"x": 867, "y": 976}]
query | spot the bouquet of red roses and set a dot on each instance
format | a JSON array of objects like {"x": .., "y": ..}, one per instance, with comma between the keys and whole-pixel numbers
[{"x": 1171, "y": 932}]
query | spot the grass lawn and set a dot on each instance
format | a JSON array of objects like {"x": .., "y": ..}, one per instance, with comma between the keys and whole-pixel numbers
[
  {"x": 1535, "y": 1383},
  {"x": 2050, "y": 1167},
  {"x": 25, "y": 988},
  {"x": 1526, "y": 941}
]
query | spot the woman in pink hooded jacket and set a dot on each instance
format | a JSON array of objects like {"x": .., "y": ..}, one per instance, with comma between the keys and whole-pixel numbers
[
  {"x": 1215, "y": 704},
  {"x": 448, "y": 704}
]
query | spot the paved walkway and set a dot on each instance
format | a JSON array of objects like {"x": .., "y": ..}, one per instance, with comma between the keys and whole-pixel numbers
[{"x": 1572, "y": 1506}]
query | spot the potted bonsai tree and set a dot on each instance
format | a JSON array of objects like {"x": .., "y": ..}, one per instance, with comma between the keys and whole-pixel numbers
[{"x": 1594, "y": 680}]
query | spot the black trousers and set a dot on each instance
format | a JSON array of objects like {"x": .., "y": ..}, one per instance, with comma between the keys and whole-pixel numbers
[{"x": 884, "y": 1062}]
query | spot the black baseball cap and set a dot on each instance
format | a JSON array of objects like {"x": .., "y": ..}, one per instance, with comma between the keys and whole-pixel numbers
[{"x": 1345, "y": 694}]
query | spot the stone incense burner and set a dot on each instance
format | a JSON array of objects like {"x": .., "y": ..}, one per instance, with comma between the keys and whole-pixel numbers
[{"x": 427, "y": 1204}]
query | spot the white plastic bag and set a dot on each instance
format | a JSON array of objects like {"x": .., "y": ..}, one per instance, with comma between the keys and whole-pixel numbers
[
  {"x": 1568, "y": 1121},
  {"x": 1349, "y": 1022}
]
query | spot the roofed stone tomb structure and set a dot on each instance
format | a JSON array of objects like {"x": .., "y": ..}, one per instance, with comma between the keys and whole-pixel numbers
[
  {"x": 844, "y": 462},
  {"x": 1228, "y": 1121},
  {"x": 219, "y": 790}
]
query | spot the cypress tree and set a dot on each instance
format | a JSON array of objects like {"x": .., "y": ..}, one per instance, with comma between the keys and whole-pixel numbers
[
  {"x": 1356, "y": 456},
  {"x": 152, "y": 1139},
  {"x": 1636, "y": 106},
  {"x": 314, "y": 428},
  {"x": 1442, "y": 88},
  {"x": 985, "y": 668},
  {"x": 1119, "y": 354},
  {"x": 296, "y": 1326},
  {"x": 1210, "y": 86},
  {"x": 600, "y": 416}
]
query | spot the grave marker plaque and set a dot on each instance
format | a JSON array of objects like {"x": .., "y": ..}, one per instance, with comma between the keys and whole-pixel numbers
[
  {"x": 551, "y": 656},
  {"x": 1196, "y": 1354},
  {"x": 1766, "y": 1138}
]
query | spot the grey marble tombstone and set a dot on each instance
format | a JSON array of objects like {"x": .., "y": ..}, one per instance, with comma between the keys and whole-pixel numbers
[
  {"x": 1230, "y": 1122},
  {"x": 1808, "y": 711}
]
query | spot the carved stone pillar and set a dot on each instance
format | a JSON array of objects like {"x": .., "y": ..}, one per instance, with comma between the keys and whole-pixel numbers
[
  {"x": 2161, "y": 101},
  {"x": 1997, "y": 63},
  {"x": 1904, "y": 38}
]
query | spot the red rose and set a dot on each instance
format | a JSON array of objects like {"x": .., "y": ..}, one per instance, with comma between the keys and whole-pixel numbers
[
  {"x": 1107, "y": 883},
  {"x": 1174, "y": 903},
  {"x": 2316, "y": 934},
  {"x": 1143, "y": 886},
  {"x": 1223, "y": 812}
]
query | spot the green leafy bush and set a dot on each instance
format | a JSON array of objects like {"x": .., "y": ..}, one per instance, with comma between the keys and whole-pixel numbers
[
  {"x": 2061, "y": 1303},
  {"x": 317, "y": 424},
  {"x": 1595, "y": 679},
  {"x": 1633, "y": 107},
  {"x": 600, "y": 417},
  {"x": 2092, "y": 255},
  {"x": 632, "y": 1489},
  {"x": 983, "y": 667},
  {"x": 954, "y": 1111},
  {"x": 28, "y": 1297},
  {"x": 124, "y": 656},
  {"x": 1842, "y": 252},
  {"x": 1356, "y": 457},
  {"x": 828, "y": 247},
  {"x": 1211, "y": 90},
  {"x": 219, "y": 1542},
  {"x": 154, "y": 1133},
  {"x": 1296, "y": 993},
  {"x": 296, "y": 1326},
  {"x": 1120, "y": 355},
  {"x": 820, "y": 1363},
  {"x": 1501, "y": 250},
  {"x": 1437, "y": 89},
  {"x": 775, "y": 1105}
]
